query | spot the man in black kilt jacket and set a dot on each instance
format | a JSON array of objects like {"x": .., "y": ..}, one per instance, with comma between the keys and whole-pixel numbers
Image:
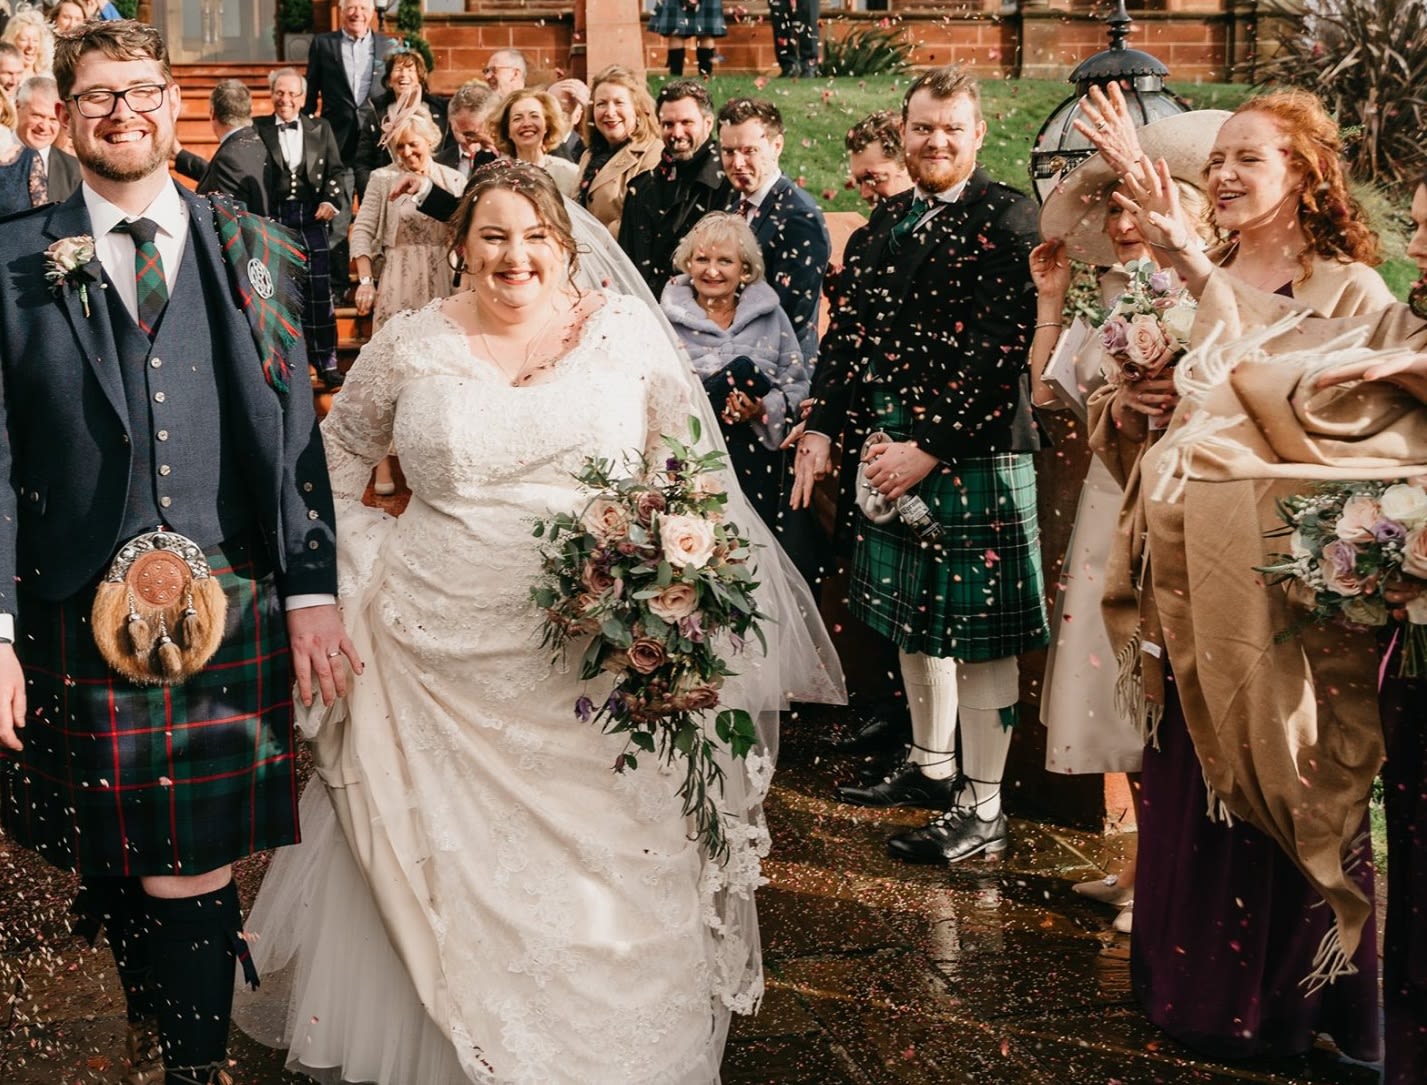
[
  {"x": 928, "y": 344},
  {"x": 154, "y": 378}
]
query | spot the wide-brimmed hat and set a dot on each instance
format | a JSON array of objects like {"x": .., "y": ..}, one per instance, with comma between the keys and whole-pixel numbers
[{"x": 1074, "y": 212}]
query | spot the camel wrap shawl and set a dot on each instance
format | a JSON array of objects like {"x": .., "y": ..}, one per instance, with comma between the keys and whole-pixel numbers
[{"x": 1286, "y": 731}]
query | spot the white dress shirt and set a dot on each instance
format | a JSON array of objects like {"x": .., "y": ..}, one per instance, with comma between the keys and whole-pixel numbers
[
  {"x": 289, "y": 141},
  {"x": 357, "y": 60},
  {"x": 116, "y": 250}
]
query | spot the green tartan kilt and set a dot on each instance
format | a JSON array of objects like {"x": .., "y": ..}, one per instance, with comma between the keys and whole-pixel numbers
[
  {"x": 979, "y": 593},
  {"x": 119, "y": 779}
]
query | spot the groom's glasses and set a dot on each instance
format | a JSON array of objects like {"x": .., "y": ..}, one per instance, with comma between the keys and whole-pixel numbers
[{"x": 144, "y": 98}]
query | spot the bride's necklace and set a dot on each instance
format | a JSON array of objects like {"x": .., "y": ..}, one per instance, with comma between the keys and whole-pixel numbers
[{"x": 525, "y": 368}]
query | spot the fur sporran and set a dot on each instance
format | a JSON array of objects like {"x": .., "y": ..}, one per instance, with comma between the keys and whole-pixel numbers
[{"x": 159, "y": 613}]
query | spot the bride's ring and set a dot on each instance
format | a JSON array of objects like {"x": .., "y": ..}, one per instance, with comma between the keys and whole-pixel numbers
[{"x": 334, "y": 655}]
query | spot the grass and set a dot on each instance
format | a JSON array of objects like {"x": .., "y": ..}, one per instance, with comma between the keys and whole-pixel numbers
[{"x": 818, "y": 113}]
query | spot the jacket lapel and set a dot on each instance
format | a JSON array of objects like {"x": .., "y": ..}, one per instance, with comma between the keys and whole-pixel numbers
[
  {"x": 311, "y": 146},
  {"x": 93, "y": 331}
]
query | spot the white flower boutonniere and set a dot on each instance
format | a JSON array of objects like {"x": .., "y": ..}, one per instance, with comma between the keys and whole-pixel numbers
[{"x": 71, "y": 261}]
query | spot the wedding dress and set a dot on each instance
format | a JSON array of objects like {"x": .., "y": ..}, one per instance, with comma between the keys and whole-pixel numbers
[{"x": 479, "y": 897}]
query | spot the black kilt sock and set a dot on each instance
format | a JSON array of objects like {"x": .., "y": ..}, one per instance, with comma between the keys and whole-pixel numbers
[
  {"x": 119, "y": 906},
  {"x": 705, "y": 57},
  {"x": 676, "y": 62},
  {"x": 195, "y": 943}
]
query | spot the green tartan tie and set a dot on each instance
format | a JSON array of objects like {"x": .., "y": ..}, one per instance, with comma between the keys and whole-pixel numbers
[
  {"x": 150, "y": 285},
  {"x": 908, "y": 222}
]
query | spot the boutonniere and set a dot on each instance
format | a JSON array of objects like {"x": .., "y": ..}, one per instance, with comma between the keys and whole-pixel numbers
[{"x": 71, "y": 261}]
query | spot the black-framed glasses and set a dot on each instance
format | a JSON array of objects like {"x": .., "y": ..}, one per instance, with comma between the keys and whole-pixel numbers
[{"x": 143, "y": 98}]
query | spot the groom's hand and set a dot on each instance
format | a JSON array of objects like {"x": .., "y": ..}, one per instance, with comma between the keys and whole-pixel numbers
[
  {"x": 319, "y": 642},
  {"x": 12, "y": 698}
]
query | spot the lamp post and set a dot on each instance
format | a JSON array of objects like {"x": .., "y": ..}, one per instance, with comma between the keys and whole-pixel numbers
[
  {"x": 1059, "y": 147},
  {"x": 382, "y": 7}
]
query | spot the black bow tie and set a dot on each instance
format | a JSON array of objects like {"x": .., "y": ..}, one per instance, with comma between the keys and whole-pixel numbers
[{"x": 287, "y": 126}]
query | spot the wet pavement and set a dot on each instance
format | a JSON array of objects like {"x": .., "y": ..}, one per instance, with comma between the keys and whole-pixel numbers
[{"x": 877, "y": 972}]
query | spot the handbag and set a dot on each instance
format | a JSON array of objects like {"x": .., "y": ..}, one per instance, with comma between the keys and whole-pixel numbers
[{"x": 740, "y": 375}]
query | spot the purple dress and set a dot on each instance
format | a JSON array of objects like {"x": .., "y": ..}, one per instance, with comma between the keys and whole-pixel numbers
[
  {"x": 1226, "y": 926},
  {"x": 1404, "y": 972}
]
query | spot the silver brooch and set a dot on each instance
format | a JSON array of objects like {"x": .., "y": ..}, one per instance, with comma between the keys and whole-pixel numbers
[{"x": 259, "y": 276}]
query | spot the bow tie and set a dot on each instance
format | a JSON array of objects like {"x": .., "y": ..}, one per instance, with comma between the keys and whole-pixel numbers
[{"x": 287, "y": 126}]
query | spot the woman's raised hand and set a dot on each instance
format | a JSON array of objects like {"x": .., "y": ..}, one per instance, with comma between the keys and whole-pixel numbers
[
  {"x": 1150, "y": 194},
  {"x": 1110, "y": 128},
  {"x": 1050, "y": 269}
]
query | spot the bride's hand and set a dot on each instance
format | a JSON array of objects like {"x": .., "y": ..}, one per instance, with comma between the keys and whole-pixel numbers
[{"x": 1110, "y": 128}]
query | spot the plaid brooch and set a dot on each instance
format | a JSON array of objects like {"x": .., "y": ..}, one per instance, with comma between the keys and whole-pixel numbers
[{"x": 268, "y": 268}]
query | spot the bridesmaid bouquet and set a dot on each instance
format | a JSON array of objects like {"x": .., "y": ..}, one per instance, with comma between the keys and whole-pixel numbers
[
  {"x": 651, "y": 573},
  {"x": 1147, "y": 329},
  {"x": 1346, "y": 539}
]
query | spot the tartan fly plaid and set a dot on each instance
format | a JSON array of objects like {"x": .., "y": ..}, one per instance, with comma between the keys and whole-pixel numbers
[
  {"x": 976, "y": 595},
  {"x": 124, "y": 780},
  {"x": 149, "y": 280}
]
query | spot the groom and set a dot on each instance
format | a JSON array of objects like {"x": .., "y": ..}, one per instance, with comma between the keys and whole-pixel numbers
[{"x": 147, "y": 384}]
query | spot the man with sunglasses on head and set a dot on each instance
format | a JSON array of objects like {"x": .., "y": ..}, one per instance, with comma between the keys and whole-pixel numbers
[{"x": 167, "y": 558}]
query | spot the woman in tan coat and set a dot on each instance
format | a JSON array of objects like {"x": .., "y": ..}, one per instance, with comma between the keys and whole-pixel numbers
[{"x": 624, "y": 142}]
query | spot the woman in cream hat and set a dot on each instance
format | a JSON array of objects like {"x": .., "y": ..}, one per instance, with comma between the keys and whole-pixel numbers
[{"x": 1080, "y": 221}]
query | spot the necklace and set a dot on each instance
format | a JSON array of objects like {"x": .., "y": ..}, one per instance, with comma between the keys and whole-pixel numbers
[{"x": 525, "y": 367}]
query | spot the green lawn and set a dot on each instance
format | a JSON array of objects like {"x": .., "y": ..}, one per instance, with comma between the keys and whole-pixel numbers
[{"x": 818, "y": 113}]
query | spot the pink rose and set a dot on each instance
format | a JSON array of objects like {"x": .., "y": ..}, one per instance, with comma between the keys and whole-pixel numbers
[
  {"x": 596, "y": 577},
  {"x": 1146, "y": 346},
  {"x": 678, "y": 600},
  {"x": 1113, "y": 336},
  {"x": 1339, "y": 565},
  {"x": 687, "y": 540},
  {"x": 646, "y": 655},
  {"x": 605, "y": 519},
  {"x": 1360, "y": 514},
  {"x": 697, "y": 699},
  {"x": 1414, "y": 553},
  {"x": 646, "y": 504}
]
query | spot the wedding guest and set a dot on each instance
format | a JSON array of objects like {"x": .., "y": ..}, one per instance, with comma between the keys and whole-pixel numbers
[
  {"x": 745, "y": 351},
  {"x": 574, "y": 99},
  {"x": 1233, "y": 895},
  {"x": 37, "y": 126},
  {"x": 12, "y": 71},
  {"x": 624, "y": 143},
  {"x": 68, "y": 15},
  {"x": 661, "y": 205},
  {"x": 1085, "y": 732},
  {"x": 789, "y": 225},
  {"x": 404, "y": 77},
  {"x": 343, "y": 69},
  {"x": 679, "y": 21},
  {"x": 874, "y": 157},
  {"x": 930, "y": 348},
  {"x": 528, "y": 126},
  {"x": 470, "y": 146},
  {"x": 238, "y": 166},
  {"x": 506, "y": 71},
  {"x": 104, "y": 10},
  {"x": 28, "y": 32},
  {"x": 795, "y": 37}
]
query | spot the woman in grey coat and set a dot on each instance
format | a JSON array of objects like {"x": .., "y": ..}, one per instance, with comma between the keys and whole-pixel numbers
[{"x": 742, "y": 345}]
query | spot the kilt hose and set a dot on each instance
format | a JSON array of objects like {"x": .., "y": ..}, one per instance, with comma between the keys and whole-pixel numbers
[
  {"x": 319, "y": 314},
  {"x": 122, "y": 780},
  {"x": 979, "y": 593}
]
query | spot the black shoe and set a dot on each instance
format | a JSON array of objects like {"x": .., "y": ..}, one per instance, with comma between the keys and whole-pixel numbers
[
  {"x": 876, "y": 735},
  {"x": 951, "y": 837},
  {"x": 871, "y": 768},
  {"x": 789, "y": 73},
  {"x": 332, "y": 378},
  {"x": 907, "y": 785}
]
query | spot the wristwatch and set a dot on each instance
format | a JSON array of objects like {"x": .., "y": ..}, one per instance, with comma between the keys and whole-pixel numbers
[{"x": 365, "y": 280}]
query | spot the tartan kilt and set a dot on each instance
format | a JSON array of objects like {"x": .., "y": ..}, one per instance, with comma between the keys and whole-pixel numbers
[
  {"x": 673, "y": 19},
  {"x": 119, "y": 779},
  {"x": 319, "y": 313},
  {"x": 979, "y": 593}
]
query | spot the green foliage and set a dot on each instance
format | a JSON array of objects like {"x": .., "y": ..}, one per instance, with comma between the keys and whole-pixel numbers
[
  {"x": 127, "y": 8},
  {"x": 871, "y": 50},
  {"x": 294, "y": 16},
  {"x": 1367, "y": 60},
  {"x": 409, "y": 21}
]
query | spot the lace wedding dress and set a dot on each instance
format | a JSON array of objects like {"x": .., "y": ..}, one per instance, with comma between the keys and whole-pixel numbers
[{"x": 479, "y": 897}]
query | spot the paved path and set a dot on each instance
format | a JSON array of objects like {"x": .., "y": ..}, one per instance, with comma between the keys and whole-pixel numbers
[{"x": 878, "y": 973}]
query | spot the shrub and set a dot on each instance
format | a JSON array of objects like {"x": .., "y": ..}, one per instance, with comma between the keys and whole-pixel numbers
[
  {"x": 872, "y": 50},
  {"x": 295, "y": 16},
  {"x": 1367, "y": 61},
  {"x": 409, "y": 21}
]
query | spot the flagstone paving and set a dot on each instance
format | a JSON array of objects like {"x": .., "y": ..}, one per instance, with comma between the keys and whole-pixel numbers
[{"x": 877, "y": 973}]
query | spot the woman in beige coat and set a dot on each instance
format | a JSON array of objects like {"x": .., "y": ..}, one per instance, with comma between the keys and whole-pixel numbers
[{"x": 624, "y": 142}]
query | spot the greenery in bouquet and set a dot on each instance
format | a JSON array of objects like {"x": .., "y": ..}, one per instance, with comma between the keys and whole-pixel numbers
[
  {"x": 654, "y": 586},
  {"x": 1347, "y": 541},
  {"x": 1147, "y": 329}
]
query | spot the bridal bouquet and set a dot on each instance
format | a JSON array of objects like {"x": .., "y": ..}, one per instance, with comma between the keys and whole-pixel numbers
[
  {"x": 651, "y": 573},
  {"x": 1346, "y": 539},
  {"x": 1147, "y": 329}
]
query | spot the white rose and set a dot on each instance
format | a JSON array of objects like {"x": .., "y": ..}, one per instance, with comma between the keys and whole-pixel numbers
[
  {"x": 1369, "y": 612},
  {"x": 1417, "y": 609},
  {"x": 1360, "y": 513},
  {"x": 1405, "y": 504},
  {"x": 1178, "y": 323},
  {"x": 1414, "y": 553},
  {"x": 606, "y": 519},
  {"x": 686, "y": 540}
]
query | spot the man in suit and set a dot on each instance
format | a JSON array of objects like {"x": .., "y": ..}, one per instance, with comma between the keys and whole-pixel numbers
[
  {"x": 469, "y": 147},
  {"x": 303, "y": 178},
  {"x": 789, "y": 226},
  {"x": 574, "y": 99},
  {"x": 164, "y": 400},
  {"x": 238, "y": 166},
  {"x": 37, "y": 127},
  {"x": 928, "y": 344},
  {"x": 660, "y": 206}
]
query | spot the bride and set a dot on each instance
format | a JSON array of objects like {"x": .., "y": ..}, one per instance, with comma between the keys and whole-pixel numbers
[{"x": 479, "y": 897}]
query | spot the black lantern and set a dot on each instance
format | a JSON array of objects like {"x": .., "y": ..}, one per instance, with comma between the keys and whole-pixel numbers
[{"x": 1058, "y": 146}]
